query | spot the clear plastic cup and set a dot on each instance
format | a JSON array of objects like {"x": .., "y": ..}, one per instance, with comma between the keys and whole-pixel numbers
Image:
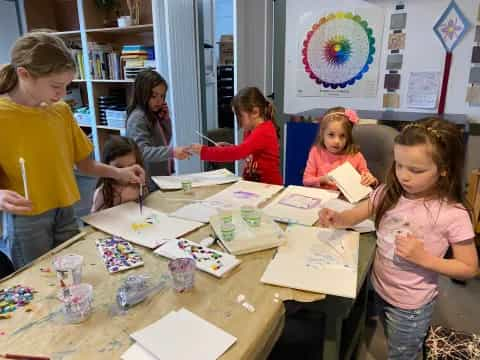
[
  {"x": 187, "y": 186},
  {"x": 254, "y": 218},
  {"x": 182, "y": 271},
  {"x": 77, "y": 303},
  {"x": 246, "y": 211},
  {"x": 68, "y": 269},
  {"x": 228, "y": 232},
  {"x": 226, "y": 216}
]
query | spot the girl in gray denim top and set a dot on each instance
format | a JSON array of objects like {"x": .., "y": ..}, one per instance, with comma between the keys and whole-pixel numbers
[{"x": 149, "y": 124}]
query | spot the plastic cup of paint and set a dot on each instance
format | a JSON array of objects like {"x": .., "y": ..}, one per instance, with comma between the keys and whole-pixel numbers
[
  {"x": 246, "y": 211},
  {"x": 228, "y": 232},
  {"x": 226, "y": 216},
  {"x": 68, "y": 269},
  {"x": 182, "y": 271},
  {"x": 77, "y": 303},
  {"x": 187, "y": 185},
  {"x": 254, "y": 218}
]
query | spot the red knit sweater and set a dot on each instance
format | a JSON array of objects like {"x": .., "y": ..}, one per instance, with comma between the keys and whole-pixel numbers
[{"x": 260, "y": 150}]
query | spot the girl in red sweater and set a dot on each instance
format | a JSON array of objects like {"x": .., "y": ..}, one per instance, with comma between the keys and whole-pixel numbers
[{"x": 259, "y": 148}]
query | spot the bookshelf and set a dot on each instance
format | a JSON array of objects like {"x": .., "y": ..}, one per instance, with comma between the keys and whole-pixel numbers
[{"x": 100, "y": 49}]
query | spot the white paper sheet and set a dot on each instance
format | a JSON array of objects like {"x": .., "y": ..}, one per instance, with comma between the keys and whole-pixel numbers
[
  {"x": 149, "y": 229},
  {"x": 317, "y": 260},
  {"x": 348, "y": 181},
  {"x": 211, "y": 261},
  {"x": 198, "y": 211},
  {"x": 136, "y": 352},
  {"x": 423, "y": 88},
  {"x": 183, "y": 335},
  {"x": 245, "y": 193},
  {"x": 341, "y": 205},
  {"x": 249, "y": 239},
  {"x": 299, "y": 204},
  {"x": 207, "y": 178}
]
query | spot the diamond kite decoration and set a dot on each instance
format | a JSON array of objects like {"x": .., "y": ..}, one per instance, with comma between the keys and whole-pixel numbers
[{"x": 451, "y": 26}]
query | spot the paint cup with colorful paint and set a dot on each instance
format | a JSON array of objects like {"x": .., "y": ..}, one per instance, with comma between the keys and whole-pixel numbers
[
  {"x": 182, "y": 271},
  {"x": 77, "y": 303},
  {"x": 69, "y": 269}
]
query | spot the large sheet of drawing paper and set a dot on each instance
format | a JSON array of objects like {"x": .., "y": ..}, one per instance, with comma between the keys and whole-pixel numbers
[
  {"x": 207, "y": 178},
  {"x": 299, "y": 204},
  {"x": 318, "y": 260},
  {"x": 149, "y": 229},
  {"x": 245, "y": 193},
  {"x": 249, "y": 238},
  {"x": 342, "y": 205}
]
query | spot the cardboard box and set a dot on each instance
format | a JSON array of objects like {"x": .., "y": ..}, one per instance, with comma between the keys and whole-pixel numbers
[{"x": 226, "y": 50}]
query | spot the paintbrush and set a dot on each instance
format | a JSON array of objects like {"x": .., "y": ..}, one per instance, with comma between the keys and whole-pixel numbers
[
  {"x": 206, "y": 138},
  {"x": 140, "y": 198}
]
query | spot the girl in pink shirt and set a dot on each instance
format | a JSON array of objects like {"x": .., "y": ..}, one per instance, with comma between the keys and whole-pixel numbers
[
  {"x": 333, "y": 147},
  {"x": 418, "y": 215},
  {"x": 120, "y": 152}
]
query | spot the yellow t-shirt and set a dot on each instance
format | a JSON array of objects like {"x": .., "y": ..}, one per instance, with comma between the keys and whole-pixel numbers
[{"x": 50, "y": 141}]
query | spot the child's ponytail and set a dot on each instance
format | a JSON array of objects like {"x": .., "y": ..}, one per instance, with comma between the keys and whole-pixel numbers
[
  {"x": 250, "y": 97},
  {"x": 8, "y": 78}
]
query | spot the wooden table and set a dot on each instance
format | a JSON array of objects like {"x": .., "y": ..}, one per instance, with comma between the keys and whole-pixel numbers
[{"x": 105, "y": 335}]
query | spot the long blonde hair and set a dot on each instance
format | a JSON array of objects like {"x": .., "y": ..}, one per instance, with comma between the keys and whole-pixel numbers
[{"x": 41, "y": 54}]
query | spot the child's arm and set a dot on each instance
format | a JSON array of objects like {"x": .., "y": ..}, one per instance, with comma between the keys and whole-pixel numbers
[
  {"x": 367, "y": 178},
  {"x": 133, "y": 174},
  {"x": 347, "y": 218},
  {"x": 310, "y": 177},
  {"x": 464, "y": 264},
  {"x": 255, "y": 141}
]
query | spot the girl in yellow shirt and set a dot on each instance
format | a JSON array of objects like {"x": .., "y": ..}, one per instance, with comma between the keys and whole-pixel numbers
[{"x": 37, "y": 126}]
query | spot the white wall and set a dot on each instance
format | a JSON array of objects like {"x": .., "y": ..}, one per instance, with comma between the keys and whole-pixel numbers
[
  {"x": 423, "y": 52},
  {"x": 9, "y": 30}
]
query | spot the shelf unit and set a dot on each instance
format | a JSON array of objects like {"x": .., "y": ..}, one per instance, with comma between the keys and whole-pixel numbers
[{"x": 80, "y": 22}]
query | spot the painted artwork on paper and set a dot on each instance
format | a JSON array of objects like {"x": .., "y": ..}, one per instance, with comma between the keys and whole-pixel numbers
[{"x": 338, "y": 50}]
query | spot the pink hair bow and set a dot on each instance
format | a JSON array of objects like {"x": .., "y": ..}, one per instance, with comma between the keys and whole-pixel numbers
[{"x": 352, "y": 116}]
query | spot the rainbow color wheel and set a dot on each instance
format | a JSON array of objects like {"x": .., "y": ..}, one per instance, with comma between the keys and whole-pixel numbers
[{"x": 338, "y": 50}]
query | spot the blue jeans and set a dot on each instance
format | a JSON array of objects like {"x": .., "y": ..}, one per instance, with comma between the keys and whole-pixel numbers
[
  {"x": 27, "y": 237},
  {"x": 405, "y": 329}
]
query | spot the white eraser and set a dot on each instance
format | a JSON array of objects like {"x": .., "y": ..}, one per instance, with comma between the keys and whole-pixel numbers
[
  {"x": 248, "y": 306},
  {"x": 207, "y": 242}
]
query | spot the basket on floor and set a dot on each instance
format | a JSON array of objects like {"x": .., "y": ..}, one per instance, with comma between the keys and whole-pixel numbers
[{"x": 444, "y": 344}]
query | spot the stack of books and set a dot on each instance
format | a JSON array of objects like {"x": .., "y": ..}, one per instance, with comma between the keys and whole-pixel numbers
[{"x": 135, "y": 59}]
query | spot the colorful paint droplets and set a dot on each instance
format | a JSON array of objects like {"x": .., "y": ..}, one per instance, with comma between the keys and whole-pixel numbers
[
  {"x": 201, "y": 254},
  {"x": 147, "y": 222},
  {"x": 118, "y": 254},
  {"x": 338, "y": 61},
  {"x": 14, "y": 297}
]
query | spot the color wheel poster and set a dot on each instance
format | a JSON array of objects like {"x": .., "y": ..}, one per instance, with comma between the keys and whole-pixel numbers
[{"x": 338, "y": 52}]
